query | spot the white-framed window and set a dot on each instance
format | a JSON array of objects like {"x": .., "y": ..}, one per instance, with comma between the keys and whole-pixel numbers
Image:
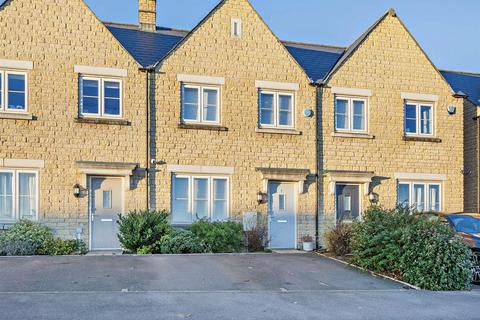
[
  {"x": 421, "y": 196},
  {"x": 100, "y": 97},
  {"x": 419, "y": 119},
  {"x": 200, "y": 104},
  {"x": 13, "y": 91},
  {"x": 18, "y": 195},
  {"x": 276, "y": 109},
  {"x": 197, "y": 197},
  {"x": 351, "y": 114},
  {"x": 236, "y": 28}
]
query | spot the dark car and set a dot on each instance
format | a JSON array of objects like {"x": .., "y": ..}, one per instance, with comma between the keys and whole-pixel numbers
[{"x": 467, "y": 225}]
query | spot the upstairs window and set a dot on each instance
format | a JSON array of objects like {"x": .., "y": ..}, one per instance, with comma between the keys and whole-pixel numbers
[
  {"x": 100, "y": 97},
  {"x": 419, "y": 119},
  {"x": 13, "y": 91},
  {"x": 276, "y": 109},
  {"x": 200, "y": 104},
  {"x": 350, "y": 114}
]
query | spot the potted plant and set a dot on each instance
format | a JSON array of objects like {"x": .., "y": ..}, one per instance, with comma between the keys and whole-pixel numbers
[{"x": 308, "y": 243}]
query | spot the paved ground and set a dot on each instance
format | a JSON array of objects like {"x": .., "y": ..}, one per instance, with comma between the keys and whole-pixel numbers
[{"x": 275, "y": 286}]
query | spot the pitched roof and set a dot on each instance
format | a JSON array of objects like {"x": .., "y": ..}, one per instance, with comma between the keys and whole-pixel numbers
[
  {"x": 147, "y": 48},
  {"x": 464, "y": 82}
]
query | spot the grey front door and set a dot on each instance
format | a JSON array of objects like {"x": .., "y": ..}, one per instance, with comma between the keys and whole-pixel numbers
[
  {"x": 106, "y": 203},
  {"x": 348, "y": 202},
  {"x": 282, "y": 215}
]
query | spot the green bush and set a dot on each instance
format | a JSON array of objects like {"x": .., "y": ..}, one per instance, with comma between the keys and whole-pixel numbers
[
  {"x": 181, "y": 241},
  {"x": 19, "y": 248},
  {"x": 434, "y": 258},
  {"x": 375, "y": 242},
  {"x": 422, "y": 252},
  {"x": 338, "y": 239},
  {"x": 219, "y": 237},
  {"x": 29, "y": 238},
  {"x": 60, "y": 247},
  {"x": 26, "y": 233},
  {"x": 141, "y": 229}
]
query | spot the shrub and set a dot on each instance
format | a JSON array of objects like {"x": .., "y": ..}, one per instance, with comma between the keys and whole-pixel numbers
[
  {"x": 60, "y": 247},
  {"x": 25, "y": 237},
  {"x": 142, "y": 229},
  {"x": 19, "y": 248},
  {"x": 256, "y": 238},
  {"x": 181, "y": 241},
  {"x": 219, "y": 237},
  {"x": 422, "y": 252},
  {"x": 434, "y": 258},
  {"x": 338, "y": 239},
  {"x": 375, "y": 242}
]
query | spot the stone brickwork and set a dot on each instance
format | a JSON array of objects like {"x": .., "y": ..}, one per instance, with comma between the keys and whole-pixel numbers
[
  {"x": 258, "y": 55},
  {"x": 388, "y": 63},
  {"x": 56, "y": 35},
  {"x": 472, "y": 136}
]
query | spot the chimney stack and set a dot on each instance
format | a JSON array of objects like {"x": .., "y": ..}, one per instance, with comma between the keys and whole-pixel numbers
[{"x": 147, "y": 15}]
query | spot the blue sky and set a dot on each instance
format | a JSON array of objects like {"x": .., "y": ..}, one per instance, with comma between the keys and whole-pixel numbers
[{"x": 447, "y": 30}]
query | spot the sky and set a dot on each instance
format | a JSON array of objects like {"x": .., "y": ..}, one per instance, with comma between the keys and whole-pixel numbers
[{"x": 448, "y": 30}]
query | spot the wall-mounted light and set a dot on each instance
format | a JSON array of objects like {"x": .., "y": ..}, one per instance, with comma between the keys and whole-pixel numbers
[
  {"x": 261, "y": 197},
  {"x": 78, "y": 190},
  {"x": 373, "y": 197},
  {"x": 451, "y": 110}
]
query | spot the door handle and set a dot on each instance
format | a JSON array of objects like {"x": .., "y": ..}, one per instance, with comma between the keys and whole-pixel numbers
[{"x": 106, "y": 220}]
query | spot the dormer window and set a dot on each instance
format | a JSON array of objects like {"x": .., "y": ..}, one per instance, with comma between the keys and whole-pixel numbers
[{"x": 236, "y": 28}]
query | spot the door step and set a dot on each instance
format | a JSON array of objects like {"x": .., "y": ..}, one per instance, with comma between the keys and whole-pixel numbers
[
  {"x": 288, "y": 251},
  {"x": 105, "y": 253}
]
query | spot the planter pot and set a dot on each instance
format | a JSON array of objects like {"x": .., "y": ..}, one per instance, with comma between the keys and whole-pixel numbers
[{"x": 308, "y": 246}]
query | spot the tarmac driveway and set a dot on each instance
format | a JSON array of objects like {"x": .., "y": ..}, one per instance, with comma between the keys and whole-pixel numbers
[{"x": 262, "y": 286}]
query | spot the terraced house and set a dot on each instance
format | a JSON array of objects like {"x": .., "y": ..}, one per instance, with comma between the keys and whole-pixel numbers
[{"x": 220, "y": 122}]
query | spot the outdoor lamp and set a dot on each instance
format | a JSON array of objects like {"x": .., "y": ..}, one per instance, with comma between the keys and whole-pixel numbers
[
  {"x": 373, "y": 197},
  {"x": 77, "y": 190},
  {"x": 261, "y": 197}
]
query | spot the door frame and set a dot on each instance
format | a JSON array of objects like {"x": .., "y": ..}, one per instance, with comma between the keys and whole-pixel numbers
[
  {"x": 90, "y": 233},
  {"x": 295, "y": 203},
  {"x": 360, "y": 207}
]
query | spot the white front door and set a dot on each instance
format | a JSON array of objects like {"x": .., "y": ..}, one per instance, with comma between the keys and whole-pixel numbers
[
  {"x": 282, "y": 215},
  {"x": 106, "y": 204}
]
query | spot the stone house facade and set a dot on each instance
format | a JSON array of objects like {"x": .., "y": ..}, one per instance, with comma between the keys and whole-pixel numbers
[{"x": 221, "y": 122}]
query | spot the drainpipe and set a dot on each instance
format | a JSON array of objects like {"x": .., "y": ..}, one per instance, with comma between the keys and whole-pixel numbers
[
  {"x": 318, "y": 117},
  {"x": 477, "y": 169},
  {"x": 148, "y": 71}
]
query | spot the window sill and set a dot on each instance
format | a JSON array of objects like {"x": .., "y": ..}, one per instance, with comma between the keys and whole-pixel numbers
[
  {"x": 278, "y": 131},
  {"x": 352, "y": 135},
  {"x": 17, "y": 116},
  {"x": 115, "y": 122},
  {"x": 422, "y": 139},
  {"x": 198, "y": 126}
]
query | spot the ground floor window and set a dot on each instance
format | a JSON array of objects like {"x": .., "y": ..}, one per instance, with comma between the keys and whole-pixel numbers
[
  {"x": 420, "y": 196},
  {"x": 18, "y": 195},
  {"x": 198, "y": 197}
]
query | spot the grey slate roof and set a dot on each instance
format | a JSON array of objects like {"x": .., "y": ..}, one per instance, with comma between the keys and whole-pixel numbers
[
  {"x": 468, "y": 83},
  {"x": 147, "y": 48}
]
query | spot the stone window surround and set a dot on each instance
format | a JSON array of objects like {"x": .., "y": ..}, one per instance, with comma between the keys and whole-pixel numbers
[
  {"x": 112, "y": 169},
  {"x": 361, "y": 177},
  {"x": 284, "y": 174},
  {"x": 24, "y": 165}
]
